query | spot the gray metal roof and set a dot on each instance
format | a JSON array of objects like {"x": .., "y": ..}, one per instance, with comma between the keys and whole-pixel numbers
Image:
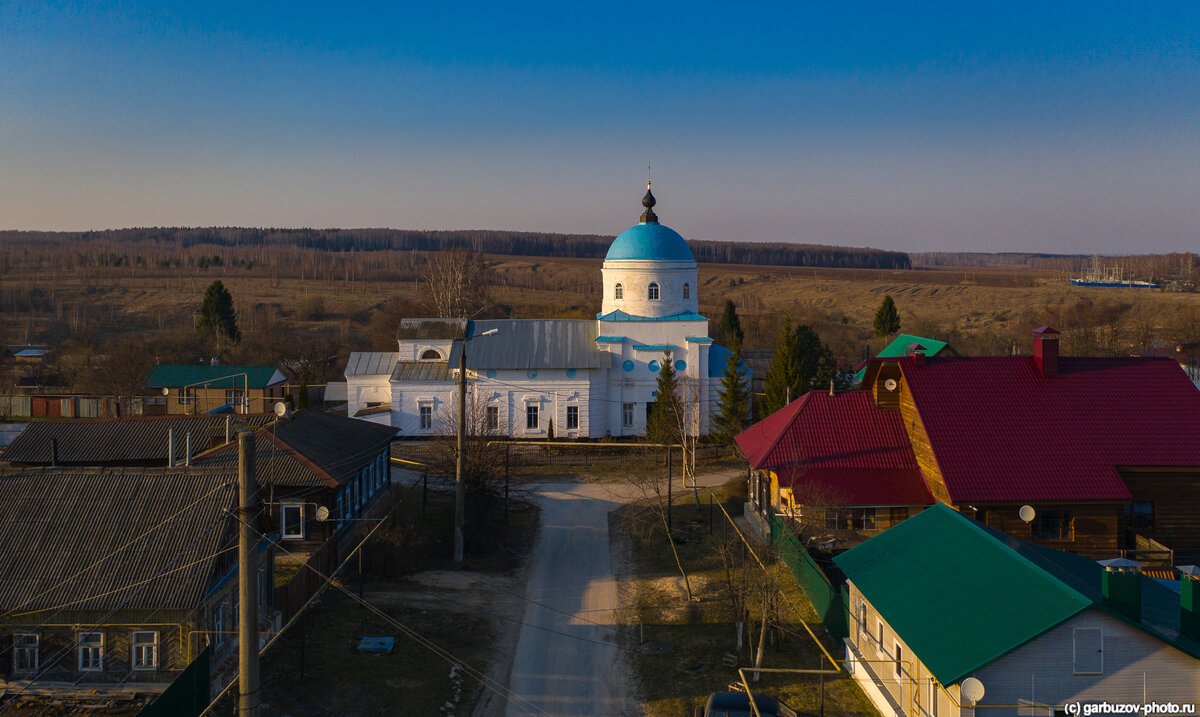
[
  {"x": 102, "y": 539},
  {"x": 421, "y": 371},
  {"x": 431, "y": 329},
  {"x": 532, "y": 344},
  {"x": 309, "y": 449},
  {"x": 371, "y": 363},
  {"x": 140, "y": 441}
]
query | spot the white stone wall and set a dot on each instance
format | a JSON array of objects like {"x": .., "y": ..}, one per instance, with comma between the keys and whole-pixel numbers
[
  {"x": 411, "y": 350},
  {"x": 635, "y": 278},
  {"x": 364, "y": 390}
]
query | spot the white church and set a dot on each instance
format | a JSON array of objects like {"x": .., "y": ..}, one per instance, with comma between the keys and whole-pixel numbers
[{"x": 577, "y": 378}]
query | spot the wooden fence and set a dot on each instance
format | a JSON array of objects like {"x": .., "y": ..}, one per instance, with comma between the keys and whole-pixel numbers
[{"x": 291, "y": 597}]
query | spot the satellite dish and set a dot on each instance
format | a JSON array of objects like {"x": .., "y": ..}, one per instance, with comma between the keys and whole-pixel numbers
[
  {"x": 890, "y": 384},
  {"x": 1027, "y": 513},
  {"x": 972, "y": 689},
  {"x": 282, "y": 410},
  {"x": 322, "y": 514},
  {"x": 166, "y": 391}
]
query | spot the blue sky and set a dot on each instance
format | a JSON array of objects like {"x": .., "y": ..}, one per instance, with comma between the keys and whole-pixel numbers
[{"x": 955, "y": 126}]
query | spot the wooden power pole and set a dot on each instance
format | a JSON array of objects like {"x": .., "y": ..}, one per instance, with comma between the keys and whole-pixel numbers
[{"x": 248, "y": 693}]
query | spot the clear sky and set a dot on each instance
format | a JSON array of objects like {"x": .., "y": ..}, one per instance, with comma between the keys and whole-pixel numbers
[{"x": 954, "y": 126}]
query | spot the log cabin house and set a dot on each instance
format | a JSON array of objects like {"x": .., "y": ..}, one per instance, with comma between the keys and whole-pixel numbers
[
  {"x": 194, "y": 389},
  {"x": 1106, "y": 450}
]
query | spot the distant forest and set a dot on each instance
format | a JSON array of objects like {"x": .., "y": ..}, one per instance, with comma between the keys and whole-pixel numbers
[{"x": 585, "y": 246}]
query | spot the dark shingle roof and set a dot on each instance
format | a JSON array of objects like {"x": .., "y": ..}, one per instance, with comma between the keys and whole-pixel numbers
[
  {"x": 309, "y": 449},
  {"x": 103, "y": 539},
  {"x": 119, "y": 441}
]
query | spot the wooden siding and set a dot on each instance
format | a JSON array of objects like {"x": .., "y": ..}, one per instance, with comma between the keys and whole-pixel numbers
[
  {"x": 922, "y": 448},
  {"x": 1097, "y": 526},
  {"x": 1176, "y": 497},
  {"x": 883, "y": 397},
  {"x": 1042, "y": 670}
]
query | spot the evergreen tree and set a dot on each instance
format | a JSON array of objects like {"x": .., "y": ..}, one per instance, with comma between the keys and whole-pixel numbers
[
  {"x": 733, "y": 399},
  {"x": 887, "y": 319},
  {"x": 809, "y": 356},
  {"x": 663, "y": 426},
  {"x": 729, "y": 328},
  {"x": 782, "y": 374},
  {"x": 217, "y": 313}
]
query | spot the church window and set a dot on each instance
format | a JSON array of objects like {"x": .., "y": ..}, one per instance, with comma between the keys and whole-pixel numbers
[
  {"x": 430, "y": 355},
  {"x": 627, "y": 415},
  {"x": 531, "y": 417},
  {"x": 653, "y": 293},
  {"x": 493, "y": 418},
  {"x": 687, "y": 291},
  {"x": 426, "y": 413},
  {"x": 572, "y": 417},
  {"x": 618, "y": 292}
]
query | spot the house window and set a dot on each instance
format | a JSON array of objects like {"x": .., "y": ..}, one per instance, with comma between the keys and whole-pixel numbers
[
  {"x": 1054, "y": 525},
  {"x": 218, "y": 623},
  {"x": 618, "y": 292},
  {"x": 572, "y": 417},
  {"x": 25, "y": 652},
  {"x": 291, "y": 520},
  {"x": 185, "y": 394},
  {"x": 881, "y": 635},
  {"x": 531, "y": 417},
  {"x": 430, "y": 355},
  {"x": 493, "y": 418},
  {"x": 1140, "y": 516},
  {"x": 899, "y": 660},
  {"x": 235, "y": 398},
  {"x": 627, "y": 415},
  {"x": 652, "y": 294},
  {"x": 687, "y": 291},
  {"x": 91, "y": 651},
  {"x": 426, "y": 413},
  {"x": 850, "y": 519},
  {"x": 144, "y": 649}
]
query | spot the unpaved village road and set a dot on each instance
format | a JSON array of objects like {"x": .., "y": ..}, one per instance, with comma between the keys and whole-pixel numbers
[{"x": 567, "y": 661}]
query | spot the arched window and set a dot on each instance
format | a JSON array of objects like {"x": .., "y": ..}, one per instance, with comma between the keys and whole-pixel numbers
[
  {"x": 687, "y": 291},
  {"x": 618, "y": 292},
  {"x": 431, "y": 355},
  {"x": 653, "y": 293}
]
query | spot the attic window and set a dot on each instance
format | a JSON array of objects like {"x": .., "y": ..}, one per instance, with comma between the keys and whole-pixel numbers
[{"x": 431, "y": 355}]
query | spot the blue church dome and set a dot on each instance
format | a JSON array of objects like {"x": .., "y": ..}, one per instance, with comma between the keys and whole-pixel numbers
[{"x": 649, "y": 241}]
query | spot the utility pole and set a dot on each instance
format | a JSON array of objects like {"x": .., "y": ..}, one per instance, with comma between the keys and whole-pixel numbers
[
  {"x": 459, "y": 498},
  {"x": 248, "y": 695}
]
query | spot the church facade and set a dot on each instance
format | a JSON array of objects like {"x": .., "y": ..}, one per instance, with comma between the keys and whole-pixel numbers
[{"x": 570, "y": 378}]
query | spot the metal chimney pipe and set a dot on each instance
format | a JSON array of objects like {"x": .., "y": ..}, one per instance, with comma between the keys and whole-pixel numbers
[
  {"x": 187, "y": 454},
  {"x": 170, "y": 448}
]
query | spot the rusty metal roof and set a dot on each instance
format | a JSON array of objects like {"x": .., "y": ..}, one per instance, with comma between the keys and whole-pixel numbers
[
  {"x": 526, "y": 344},
  {"x": 140, "y": 441},
  {"x": 111, "y": 538}
]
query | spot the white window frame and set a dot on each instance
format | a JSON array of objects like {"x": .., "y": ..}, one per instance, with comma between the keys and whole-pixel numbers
[
  {"x": 22, "y": 648},
  {"x": 283, "y": 523},
  {"x": 532, "y": 410},
  {"x": 572, "y": 412},
  {"x": 492, "y": 412},
  {"x": 627, "y": 418},
  {"x": 136, "y": 645},
  {"x": 91, "y": 646},
  {"x": 653, "y": 291},
  {"x": 425, "y": 417}
]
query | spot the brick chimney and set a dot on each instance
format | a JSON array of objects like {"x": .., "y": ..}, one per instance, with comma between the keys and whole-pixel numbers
[
  {"x": 917, "y": 352},
  {"x": 1121, "y": 587},
  {"x": 1045, "y": 350},
  {"x": 1189, "y": 601}
]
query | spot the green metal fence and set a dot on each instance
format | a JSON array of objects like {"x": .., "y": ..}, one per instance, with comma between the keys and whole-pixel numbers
[
  {"x": 188, "y": 695},
  {"x": 827, "y": 599}
]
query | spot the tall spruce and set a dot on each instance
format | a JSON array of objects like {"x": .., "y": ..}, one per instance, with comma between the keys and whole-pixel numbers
[
  {"x": 782, "y": 374},
  {"x": 887, "y": 318},
  {"x": 729, "y": 328},
  {"x": 733, "y": 399},
  {"x": 663, "y": 425},
  {"x": 217, "y": 313}
]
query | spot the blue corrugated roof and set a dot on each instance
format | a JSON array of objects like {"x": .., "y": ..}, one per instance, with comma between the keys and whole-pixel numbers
[
  {"x": 654, "y": 347},
  {"x": 610, "y": 339},
  {"x": 619, "y": 315},
  {"x": 718, "y": 357},
  {"x": 649, "y": 241}
]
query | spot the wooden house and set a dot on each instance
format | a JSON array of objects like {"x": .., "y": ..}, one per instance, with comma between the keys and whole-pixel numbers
[
  {"x": 941, "y": 599},
  {"x": 1104, "y": 449},
  {"x": 114, "y": 579},
  {"x": 194, "y": 389},
  {"x": 899, "y": 346}
]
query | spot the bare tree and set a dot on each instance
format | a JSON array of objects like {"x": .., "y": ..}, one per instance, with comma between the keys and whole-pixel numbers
[{"x": 457, "y": 282}]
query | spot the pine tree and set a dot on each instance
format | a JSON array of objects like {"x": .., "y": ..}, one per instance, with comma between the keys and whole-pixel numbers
[
  {"x": 809, "y": 355},
  {"x": 729, "y": 328},
  {"x": 663, "y": 426},
  {"x": 217, "y": 313},
  {"x": 887, "y": 319},
  {"x": 733, "y": 399},
  {"x": 782, "y": 374}
]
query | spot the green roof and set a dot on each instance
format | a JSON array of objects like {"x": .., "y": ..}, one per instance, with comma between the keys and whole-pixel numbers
[
  {"x": 899, "y": 347},
  {"x": 954, "y": 593},
  {"x": 197, "y": 374}
]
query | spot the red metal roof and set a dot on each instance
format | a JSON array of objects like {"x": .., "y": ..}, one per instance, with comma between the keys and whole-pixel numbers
[
  {"x": 841, "y": 447},
  {"x": 1002, "y": 432}
]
